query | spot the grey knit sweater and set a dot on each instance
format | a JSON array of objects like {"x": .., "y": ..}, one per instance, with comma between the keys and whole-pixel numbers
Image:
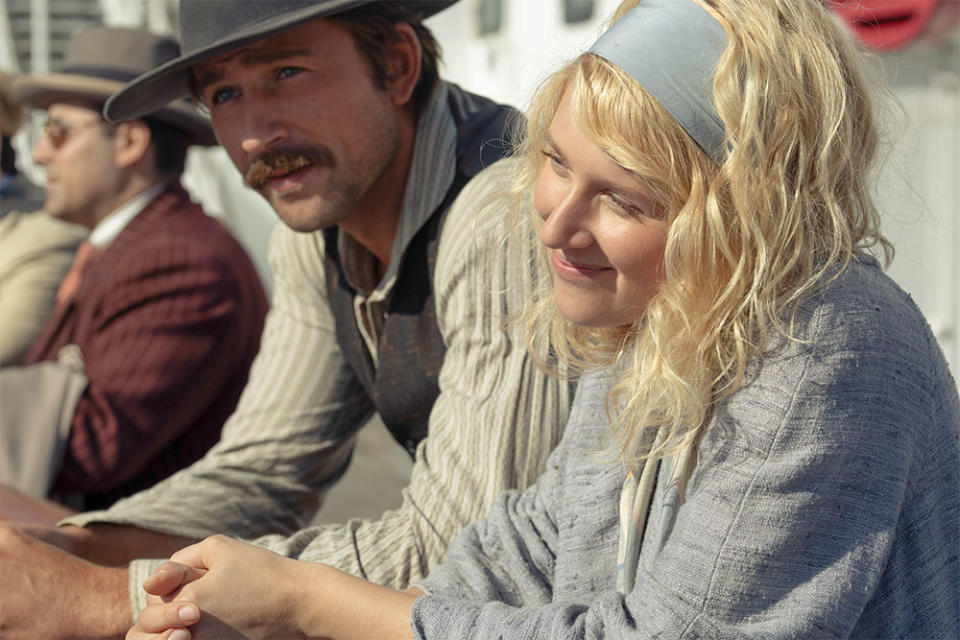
[{"x": 825, "y": 504}]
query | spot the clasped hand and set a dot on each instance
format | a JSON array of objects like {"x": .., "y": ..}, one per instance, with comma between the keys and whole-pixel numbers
[{"x": 243, "y": 591}]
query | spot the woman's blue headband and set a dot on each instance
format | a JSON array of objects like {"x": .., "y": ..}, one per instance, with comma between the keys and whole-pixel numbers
[{"x": 671, "y": 47}]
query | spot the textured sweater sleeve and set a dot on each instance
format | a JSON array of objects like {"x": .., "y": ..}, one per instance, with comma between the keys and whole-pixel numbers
[
  {"x": 510, "y": 555},
  {"x": 799, "y": 492},
  {"x": 496, "y": 418}
]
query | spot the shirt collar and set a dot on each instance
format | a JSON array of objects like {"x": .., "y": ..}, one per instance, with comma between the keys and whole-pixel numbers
[
  {"x": 117, "y": 220},
  {"x": 431, "y": 173}
]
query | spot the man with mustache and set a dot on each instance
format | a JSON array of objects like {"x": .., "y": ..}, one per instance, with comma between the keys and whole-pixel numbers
[{"x": 389, "y": 297}]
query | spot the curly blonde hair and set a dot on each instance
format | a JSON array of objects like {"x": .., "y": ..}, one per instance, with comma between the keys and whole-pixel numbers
[{"x": 749, "y": 238}]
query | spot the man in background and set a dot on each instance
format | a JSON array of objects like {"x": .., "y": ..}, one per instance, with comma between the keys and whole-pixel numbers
[
  {"x": 159, "y": 317},
  {"x": 35, "y": 249}
]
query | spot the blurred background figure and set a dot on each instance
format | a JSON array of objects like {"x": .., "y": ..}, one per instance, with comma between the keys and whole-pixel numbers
[
  {"x": 16, "y": 192},
  {"x": 35, "y": 249},
  {"x": 33, "y": 39},
  {"x": 159, "y": 317}
]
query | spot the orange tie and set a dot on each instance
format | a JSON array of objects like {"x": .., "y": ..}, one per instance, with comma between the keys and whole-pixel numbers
[{"x": 71, "y": 282}]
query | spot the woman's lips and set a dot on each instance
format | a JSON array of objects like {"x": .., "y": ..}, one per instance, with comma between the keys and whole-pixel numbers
[{"x": 568, "y": 270}]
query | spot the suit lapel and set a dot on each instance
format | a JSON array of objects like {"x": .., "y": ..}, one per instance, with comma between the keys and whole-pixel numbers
[{"x": 61, "y": 326}]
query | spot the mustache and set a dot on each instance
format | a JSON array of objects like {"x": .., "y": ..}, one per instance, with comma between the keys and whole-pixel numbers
[{"x": 279, "y": 162}]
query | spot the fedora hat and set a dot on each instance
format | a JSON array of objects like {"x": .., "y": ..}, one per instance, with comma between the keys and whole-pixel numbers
[
  {"x": 11, "y": 109},
  {"x": 98, "y": 61},
  {"x": 209, "y": 28}
]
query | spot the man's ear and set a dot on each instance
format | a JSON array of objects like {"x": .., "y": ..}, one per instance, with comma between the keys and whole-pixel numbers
[
  {"x": 403, "y": 65},
  {"x": 131, "y": 142}
]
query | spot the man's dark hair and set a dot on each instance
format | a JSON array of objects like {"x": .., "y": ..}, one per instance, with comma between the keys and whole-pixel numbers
[
  {"x": 170, "y": 144},
  {"x": 8, "y": 157},
  {"x": 373, "y": 29},
  {"x": 170, "y": 148}
]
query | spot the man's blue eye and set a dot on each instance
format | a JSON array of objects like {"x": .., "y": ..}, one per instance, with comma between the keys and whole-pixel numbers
[
  {"x": 221, "y": 96},
  {"x": 288, "y": 72}
]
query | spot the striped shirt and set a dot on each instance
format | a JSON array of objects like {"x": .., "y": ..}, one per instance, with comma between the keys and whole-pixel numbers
[{"x": 492, "y": 427}]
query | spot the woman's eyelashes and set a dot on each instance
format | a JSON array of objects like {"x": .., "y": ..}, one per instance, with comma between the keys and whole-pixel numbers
[
  {"x": 556, "y": 161},
  {"x": 624, "y": 204},
  {"x": 635, "y": 207}
]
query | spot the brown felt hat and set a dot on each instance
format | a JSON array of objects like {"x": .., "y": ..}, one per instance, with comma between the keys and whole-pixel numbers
[
  {"x": 209, "y": 28},
  {"x": 11, "y": 110},
  {"x": 99, "y": 60}
]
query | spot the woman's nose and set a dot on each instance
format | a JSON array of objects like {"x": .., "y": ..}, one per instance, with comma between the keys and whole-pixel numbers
[{"x": 566, "y": 224}]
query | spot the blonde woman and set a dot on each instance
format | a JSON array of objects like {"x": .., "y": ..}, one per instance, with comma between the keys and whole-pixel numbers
[{"x": 765, "y": 440}]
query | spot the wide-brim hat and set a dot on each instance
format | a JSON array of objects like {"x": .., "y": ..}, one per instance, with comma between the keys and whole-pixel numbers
[
  {"x": 209, "y": 28},
  {"x": 99, "y": 61},
  {"x": 11, "y": 109}
]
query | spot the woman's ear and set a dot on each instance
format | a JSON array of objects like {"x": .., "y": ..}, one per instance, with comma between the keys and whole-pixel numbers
[
  {"x": 131, "y": 142},
  {"x": 403, "y": 64}
]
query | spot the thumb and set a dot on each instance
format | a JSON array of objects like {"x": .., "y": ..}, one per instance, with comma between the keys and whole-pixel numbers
[
  {"x": 203, "y": 554},
  {"x": 170, "y": 577}
]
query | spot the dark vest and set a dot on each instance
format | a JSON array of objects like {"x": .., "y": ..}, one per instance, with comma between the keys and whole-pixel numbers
[{"x": 410, "y": 349}]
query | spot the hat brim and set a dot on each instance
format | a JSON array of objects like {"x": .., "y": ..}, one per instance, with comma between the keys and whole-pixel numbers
[
  {"x": 172, "y": 80},
  {"x": 42, "y": 90}
]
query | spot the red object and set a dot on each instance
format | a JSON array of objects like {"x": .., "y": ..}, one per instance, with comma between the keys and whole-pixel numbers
[
  {"x": 86, "y": 253},
  {"x": 885, "y": 25}
]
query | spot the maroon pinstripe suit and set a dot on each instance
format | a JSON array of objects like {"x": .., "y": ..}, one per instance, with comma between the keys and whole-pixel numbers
[{"x": 168, "y": 320}]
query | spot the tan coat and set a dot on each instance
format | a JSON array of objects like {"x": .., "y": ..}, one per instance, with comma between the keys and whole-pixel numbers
[{"x": 35, "y": 252}]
